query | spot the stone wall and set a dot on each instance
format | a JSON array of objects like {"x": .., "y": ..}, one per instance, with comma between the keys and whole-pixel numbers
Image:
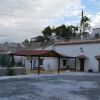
[{"x": 17, "y": 71}]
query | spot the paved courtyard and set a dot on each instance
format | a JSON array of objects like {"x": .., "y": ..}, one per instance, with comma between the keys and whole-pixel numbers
[{"x": 69, "y": 86}]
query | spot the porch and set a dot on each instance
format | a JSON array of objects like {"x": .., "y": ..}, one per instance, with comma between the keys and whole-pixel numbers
[{"x": 59, "y": 60}]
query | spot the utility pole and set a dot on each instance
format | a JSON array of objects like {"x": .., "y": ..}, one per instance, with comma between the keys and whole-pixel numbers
[{"x": 81, "y": 23}]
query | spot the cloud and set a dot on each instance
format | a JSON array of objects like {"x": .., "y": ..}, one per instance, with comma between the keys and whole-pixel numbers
[
  {"x": 20, "y": 19},
  {"x": 93, "y": 0},
  {"x": 96, "y": 2},
  {"x": 96, "y": 20}
]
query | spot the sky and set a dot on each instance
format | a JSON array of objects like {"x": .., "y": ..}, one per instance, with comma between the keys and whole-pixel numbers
[{"x": 21, "y": 19}]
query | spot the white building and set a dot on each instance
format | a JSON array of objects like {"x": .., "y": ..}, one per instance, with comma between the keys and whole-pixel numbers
[
  {"x": 86, "y": 48},
  {"x": 39, "y": 59},
  {"x": 95, "y": 32},
  {"x": 75, "y": 55}
]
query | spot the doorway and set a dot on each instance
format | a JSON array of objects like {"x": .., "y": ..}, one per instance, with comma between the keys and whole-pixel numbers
[
  {"x": 99, "y": 65},
  {"x": 82, "y": 64}
]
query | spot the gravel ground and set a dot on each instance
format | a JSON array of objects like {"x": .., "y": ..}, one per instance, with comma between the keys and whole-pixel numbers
[{"x": 69, "y": 86}]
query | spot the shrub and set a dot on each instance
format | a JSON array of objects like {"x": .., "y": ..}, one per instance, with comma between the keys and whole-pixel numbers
[{"x": 11, "y": 72}]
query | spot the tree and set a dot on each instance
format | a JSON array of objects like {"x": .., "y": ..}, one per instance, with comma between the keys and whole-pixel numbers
[
  {"x": 63, "y": 31},
  {"x": 73, "y": 30},
  {"x": 26, "y": 42},
  {"x": 47, "y": 31},
  {"x": 85, "y": 22},
  {"x": 69, "y": 32},
  {"x": 56, "y": 31},
  {"x": 40, "y": 39},
  {"x": 84, "y": 25}
]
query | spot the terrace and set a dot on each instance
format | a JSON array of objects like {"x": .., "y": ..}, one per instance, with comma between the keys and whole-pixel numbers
[{"x": 69, "y": 86}]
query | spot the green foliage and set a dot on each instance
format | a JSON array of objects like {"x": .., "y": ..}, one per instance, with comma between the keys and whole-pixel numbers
[
  {"x": 39, "y": 39},
  {"x": 13, "y": 61},
  {"x": 47, "y": 31},
  {"x": 26, "y": 41},
  {"x": 85, "y": 22},
  {"x": 61, "y": 31},
  {"x": 4, "y": 60},
  {"x": 67, "y": 32},
  {"x": 74, "y": 30},
  {"x": 11, "y": 72},
  {"x": 7, "y": 61},
  {"x": 42, "y": 39},
  {"x": 84, "y": 25}
]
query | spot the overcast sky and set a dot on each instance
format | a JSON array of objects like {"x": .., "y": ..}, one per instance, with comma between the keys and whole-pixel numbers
[{"x": 21, "y": 19}]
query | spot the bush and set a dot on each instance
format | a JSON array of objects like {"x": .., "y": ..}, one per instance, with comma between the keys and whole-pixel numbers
[
  {"x": 90, "y": 70},
  {"x": 11, "y": 72}
]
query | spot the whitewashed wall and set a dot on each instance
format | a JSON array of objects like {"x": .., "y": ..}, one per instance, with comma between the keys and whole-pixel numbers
[
  {"x": 51, "y": 47},
  {"x": 27, "y": 65},
  {"x": 96, "y": 31},
  {"x": 90, "y": 50},
  {"x": 18, "y": 58},
  {"x": 49, "y": 63}
]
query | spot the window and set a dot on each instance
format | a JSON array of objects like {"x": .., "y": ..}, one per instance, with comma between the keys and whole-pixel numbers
[
  {"x": 64, "y": 63},
  {"x": 97, "y": 35},
  {"x": 34, "y": 63},
  {"x": 41, "y": 61}
]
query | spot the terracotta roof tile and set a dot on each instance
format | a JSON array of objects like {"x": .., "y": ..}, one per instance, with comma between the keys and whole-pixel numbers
[
  {"x": 77, "y": 42},
  {"x": 43, "y": 53}
]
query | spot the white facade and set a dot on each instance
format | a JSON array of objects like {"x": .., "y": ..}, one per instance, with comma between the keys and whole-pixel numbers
[
  {"x": 95, "y": 31},
  {"x": 90, "y": 50},
  {"x": 49, "y": 63}
]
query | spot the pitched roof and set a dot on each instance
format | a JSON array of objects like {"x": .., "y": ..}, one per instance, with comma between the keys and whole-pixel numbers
[
  {"x": 3, "y": 52},
  {"x": 74, "y": 42},
  {"x": 43, "y": 53}
]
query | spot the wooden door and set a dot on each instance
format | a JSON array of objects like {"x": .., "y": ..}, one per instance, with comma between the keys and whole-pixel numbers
[{"x": 81, "y": 64}]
